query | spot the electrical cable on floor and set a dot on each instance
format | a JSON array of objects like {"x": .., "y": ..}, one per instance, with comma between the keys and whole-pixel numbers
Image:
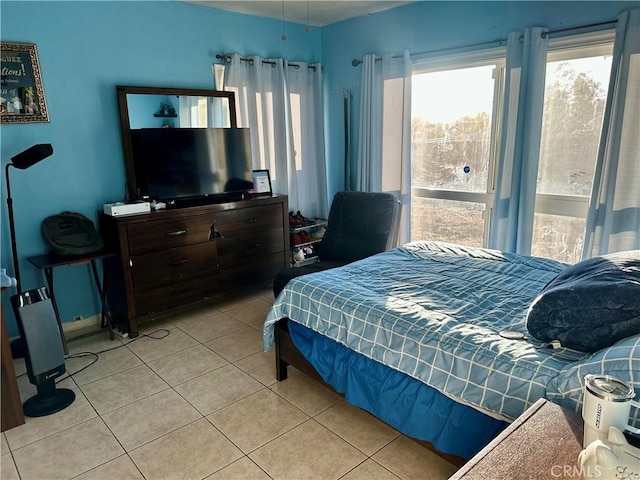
[
  {"x": 79, "y": 355},
  {"x": 86, "y": 354},
  {"x": 166, "y": 332}
]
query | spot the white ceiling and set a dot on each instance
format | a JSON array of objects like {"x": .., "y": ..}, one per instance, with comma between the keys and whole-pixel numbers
[{"x": 317, "y": 13}]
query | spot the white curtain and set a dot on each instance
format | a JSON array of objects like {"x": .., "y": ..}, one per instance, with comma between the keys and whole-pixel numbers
[
  {"x": 614, "y": 209},
  {"x": 305, "y": 98},
  {"x": 218, "y": 109},
  {"x": 218, "y": 76},
  {"x": 188, "y": 111},
  {"x": 282, "y": 106},
  {"x": 384, "y": 137},
  {"x": 369, "y": 173},
  {"x": 515, "y": 195},
  {"x": 217, "y": 113}
]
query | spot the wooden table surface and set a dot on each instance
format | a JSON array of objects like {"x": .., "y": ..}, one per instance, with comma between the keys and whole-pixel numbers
[{"x": 543, "y": 443}]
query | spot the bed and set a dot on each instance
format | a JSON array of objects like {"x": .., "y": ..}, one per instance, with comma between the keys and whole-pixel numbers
[{"x": 415, "y": 336}]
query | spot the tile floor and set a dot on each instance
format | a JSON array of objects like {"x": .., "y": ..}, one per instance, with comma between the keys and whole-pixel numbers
[{"x": 203, "y": 402}]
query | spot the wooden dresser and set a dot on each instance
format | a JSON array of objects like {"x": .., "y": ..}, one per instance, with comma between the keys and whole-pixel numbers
[{"x": 172, "y": 258}]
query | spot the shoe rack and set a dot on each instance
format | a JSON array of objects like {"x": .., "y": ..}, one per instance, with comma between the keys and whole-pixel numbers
[{"x": 304, "y": 236}]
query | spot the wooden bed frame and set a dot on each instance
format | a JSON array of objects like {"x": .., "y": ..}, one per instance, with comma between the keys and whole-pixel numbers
[{"x": 287, "y": 354}]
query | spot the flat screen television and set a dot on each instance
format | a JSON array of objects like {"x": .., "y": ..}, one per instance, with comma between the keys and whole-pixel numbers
[{"x": 192, "y": 165}]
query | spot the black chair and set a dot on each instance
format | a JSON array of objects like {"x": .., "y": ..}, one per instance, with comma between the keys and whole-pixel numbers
[{"x": 360, "y": 224}]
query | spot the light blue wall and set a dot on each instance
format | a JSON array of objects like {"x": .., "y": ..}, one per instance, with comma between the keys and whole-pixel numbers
[
  {"x": 85, "y": 50},
  {"x": 141, "y": 108},
  {"x": 426, "y": 26}
]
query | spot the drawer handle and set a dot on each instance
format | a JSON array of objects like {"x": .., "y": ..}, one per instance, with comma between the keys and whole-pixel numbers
[
  {"x": 180, "y": 262},
  {"x": 250, "y": 220},
  {"x": 215, "y": 234},
  {"x": 177, "y": 233}
]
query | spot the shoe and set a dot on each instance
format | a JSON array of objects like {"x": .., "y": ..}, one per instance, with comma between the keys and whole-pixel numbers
[
  {"x": 298, "y": 255},
  {"x": 318, "y": 234},
  {"x": 296, "y": 239},
  {"x": 293, "y": 221},
  {"x": 305, "y": 236},
  {"x": 302, "y": 220}
]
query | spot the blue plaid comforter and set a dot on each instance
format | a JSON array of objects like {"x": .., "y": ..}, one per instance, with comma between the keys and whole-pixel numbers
[{"x": 434, "y": 311}]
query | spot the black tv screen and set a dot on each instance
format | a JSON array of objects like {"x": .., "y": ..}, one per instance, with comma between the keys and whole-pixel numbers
[{"x": 176, "y": 163}]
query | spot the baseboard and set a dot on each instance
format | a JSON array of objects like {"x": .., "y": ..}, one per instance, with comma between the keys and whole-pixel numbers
[{"x": 81, "y": 327}]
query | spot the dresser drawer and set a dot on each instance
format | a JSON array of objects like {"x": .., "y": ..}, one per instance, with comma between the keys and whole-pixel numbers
[
  {"x": 243, "y": 221},
  {"x": 188, "y": 289},
  {"x": 168, "y": 233},
  {"x": 238, "y": 249},
  {"x": 252, "y": 270},
  {"x": 171, "y": 265}
]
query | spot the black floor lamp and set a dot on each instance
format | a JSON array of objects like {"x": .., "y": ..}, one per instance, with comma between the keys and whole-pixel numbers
[
  {"x": 36, "y": 317},
  {"x": 22, "y": 161}
]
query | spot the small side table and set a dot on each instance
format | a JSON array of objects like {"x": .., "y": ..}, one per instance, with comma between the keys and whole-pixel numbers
[
  {"x": 542, "y": 443},
  {"x": 49, "y": 261}
]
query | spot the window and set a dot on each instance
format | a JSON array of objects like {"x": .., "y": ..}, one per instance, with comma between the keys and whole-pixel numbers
[
  {"x": 575, "y": 94},
  {"x": 454, "y": 118},
  {"x": 455, "y": 132}
]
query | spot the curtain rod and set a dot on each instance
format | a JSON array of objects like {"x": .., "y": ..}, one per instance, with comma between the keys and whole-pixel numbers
[
  {"x": 227, "y": 59},
  {"x": 356, "y": 62},
  {"x": 580, "y": 27}
]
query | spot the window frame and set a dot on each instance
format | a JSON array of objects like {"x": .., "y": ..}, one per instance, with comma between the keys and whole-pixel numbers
[
  {"x": 559, "y": 49},
  {"x": 489, "y": 56}
]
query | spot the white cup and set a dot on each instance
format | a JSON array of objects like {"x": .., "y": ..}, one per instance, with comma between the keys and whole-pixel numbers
[{"x": 607, "y": 402}]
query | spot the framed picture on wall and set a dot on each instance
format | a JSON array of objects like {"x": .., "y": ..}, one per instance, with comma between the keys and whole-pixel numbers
[
  {"x": 21, "y": 92},
  {"x": 261, "y": 182}
]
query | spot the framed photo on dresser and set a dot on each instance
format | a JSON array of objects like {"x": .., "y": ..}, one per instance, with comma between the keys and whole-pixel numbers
[{"x": 261, "y": 182}]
